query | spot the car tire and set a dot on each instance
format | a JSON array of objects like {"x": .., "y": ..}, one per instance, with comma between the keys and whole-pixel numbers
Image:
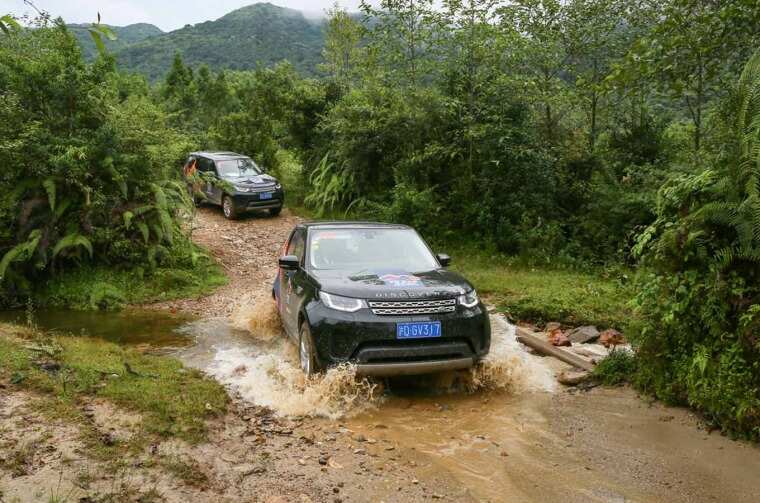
[
  {"x": 228, "y": 208},
  {"x": 307, "y": 355},
  {"x": 275, "y": 211}
]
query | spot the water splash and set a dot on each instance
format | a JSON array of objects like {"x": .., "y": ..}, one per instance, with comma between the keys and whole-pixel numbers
[
  {"x": 508, "y": 365},
  {"x": 258, "y": 316},
  {"x": 274, "y": 379},
  {"x": 253, "y": 357}
]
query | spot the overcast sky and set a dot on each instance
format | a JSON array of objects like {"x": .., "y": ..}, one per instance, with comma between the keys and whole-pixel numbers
[{"x": 166, "y": 14}]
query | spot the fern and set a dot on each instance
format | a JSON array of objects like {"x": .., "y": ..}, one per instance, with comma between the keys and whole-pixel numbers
[
  {"x": 73, "y": 240},
  {"x": 21, "y": 252}
]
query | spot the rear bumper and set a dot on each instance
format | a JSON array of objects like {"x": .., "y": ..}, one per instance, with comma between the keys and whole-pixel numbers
[{"x": 413, "y": 368}]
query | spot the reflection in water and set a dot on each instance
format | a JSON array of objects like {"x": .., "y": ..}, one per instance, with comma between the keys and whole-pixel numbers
[{"x": 130, "y": 327}]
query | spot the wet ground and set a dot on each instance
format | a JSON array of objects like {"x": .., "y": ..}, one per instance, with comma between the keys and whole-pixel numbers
[{"x": 504, "y": 432}]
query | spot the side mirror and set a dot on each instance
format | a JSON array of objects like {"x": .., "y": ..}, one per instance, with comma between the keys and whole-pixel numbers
[
  {"x": 444, "y": 259},
  {"x": 290, "y": 262}
]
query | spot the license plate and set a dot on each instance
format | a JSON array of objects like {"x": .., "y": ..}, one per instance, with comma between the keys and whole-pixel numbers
[
  {"x": 265, "y": 195},
  {"x": 421, "y": 330}
]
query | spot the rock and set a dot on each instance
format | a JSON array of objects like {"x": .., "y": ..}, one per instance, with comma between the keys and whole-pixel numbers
[
  {"x": 249, "y": 469},
  {"x": 572, "y": 377},
  {"x": 360, "y": 438},
  {"x": 611, "y": 337},
  {"x": 323, "y": 460},
  {"x": 582, "y": 335},
  {"x": 557, "y": 338},
  {"x": 360, "y": 451},
  {"x": 552, "y": 326}
]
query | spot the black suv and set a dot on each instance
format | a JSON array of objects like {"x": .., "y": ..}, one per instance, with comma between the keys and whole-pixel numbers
[
  {"x": 247, "y": 187},
  {"x": 375, "y": 295}
]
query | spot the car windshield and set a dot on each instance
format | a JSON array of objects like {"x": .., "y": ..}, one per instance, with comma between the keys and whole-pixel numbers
[
  {"x": 369, "y": 250},
  {"x": 237, "y": 167}
]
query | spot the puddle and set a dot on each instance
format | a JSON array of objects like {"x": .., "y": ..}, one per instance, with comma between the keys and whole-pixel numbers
[{"x": 129, "y": 327}]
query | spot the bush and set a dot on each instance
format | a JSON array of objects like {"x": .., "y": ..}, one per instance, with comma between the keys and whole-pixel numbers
[{"x": 617, "y": 368}]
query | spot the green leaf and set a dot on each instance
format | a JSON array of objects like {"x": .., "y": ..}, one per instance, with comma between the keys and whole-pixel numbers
[
  {"x": 7, "y": 23},
  {"x": 49, "y": 185},
  {"x": 20, "y": 252},
  {"x": 72, "y": 240},
  {"x": 128, "y": 216}
]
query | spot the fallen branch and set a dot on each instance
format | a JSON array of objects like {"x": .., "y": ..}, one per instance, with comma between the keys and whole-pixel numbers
[{"x": 544, "y": 347}]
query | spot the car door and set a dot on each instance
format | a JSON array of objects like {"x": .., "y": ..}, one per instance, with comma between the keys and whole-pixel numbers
[
  {"x": 212, "y": 191},
  {"x": 292, "y": 284}
]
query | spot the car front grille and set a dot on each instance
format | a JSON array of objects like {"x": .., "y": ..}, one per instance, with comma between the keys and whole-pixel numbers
[{"x": 411, "y": 307}]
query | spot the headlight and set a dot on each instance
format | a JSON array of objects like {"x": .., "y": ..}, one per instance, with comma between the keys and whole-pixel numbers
[
  {"x": 339, "y": 303},
  {"x": 243, "y": 188},
  {"x": 278, "y": 186},
  {"x": 469, "y": 299}
]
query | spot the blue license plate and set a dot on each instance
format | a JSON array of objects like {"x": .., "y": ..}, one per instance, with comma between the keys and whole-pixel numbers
[
  {"x": 265, "y": 195},
  {"x": 421, "y": 330}
]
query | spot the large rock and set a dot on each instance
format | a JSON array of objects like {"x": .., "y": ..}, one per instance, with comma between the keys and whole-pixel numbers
[
  {"x": 582, "y": 335},
  {"x": 572, "y": 377},
  {"x": 611, "y": 337}
]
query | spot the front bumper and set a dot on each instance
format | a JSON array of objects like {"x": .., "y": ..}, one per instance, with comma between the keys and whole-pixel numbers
[
  {"x": 413, "y": 368},
  {"x": 249, "y": 201},
  {"x": 369, "y": 340}
]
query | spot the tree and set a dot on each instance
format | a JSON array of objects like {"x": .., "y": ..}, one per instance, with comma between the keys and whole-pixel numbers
[
  {"x": 691, "y": 50},
  {"x": 342, "y": 51}
]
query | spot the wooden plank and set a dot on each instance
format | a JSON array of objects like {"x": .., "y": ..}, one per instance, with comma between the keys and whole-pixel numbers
[{"x": 530, "y": 340}]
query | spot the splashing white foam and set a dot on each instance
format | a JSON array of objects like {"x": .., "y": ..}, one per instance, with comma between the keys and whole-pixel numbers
[
  {"x": 273, "y": 379},
  {"x": 508, "y": 366}
]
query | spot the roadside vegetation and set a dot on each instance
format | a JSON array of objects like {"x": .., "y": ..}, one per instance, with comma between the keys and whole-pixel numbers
[{"x": 581, "y": 154}]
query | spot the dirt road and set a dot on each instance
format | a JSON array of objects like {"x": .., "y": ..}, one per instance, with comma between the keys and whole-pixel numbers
[{"x": 519, "y": 437}]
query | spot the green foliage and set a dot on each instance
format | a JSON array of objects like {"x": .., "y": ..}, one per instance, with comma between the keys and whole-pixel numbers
[
  {"x": 698, "y": 343},
  {"x": 543, "y": 292},
  {"x": 90, "y": 168},
  {"x": 616, "y": 369}
]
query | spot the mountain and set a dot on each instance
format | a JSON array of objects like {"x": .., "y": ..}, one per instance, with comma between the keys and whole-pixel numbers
[
  {"x": 126, "y": 35},
  {"x": 259, "y": 33}
]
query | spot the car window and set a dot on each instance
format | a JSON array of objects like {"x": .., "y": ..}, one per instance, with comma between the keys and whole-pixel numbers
[
  {"x": 297, "y": 245},
  {"x": 205, "y": 164},
  {"x": 370, "y": 250},
  {"x": 240, "y": 167}
]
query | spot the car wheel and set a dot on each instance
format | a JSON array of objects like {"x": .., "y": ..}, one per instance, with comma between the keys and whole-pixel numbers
[
  {"x": 228, "y": 208},
  {"x": 275, "y": 211},
  {"x": 306, "y": 352}
]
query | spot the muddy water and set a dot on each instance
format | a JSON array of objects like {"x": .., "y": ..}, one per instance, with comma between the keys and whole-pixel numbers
[{"x": 130, "y": 327}]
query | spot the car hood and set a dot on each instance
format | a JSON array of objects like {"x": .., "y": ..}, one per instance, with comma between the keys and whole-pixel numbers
[
  {"x": 253, "y": 180},
  {"x": 392, "y": 284}
]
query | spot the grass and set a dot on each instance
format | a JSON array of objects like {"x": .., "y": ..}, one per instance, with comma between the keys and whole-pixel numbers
[
  {"x": 171, "y": 400},
  {"x": 540, "y": 294},
  {"x": 102, "y": 287}
]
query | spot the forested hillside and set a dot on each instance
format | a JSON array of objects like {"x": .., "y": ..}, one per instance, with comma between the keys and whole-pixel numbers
[
  {"x": 258, "y": 35},
  {"x": 591, "y": 134},
  {"x": 124, "y": 36}
]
